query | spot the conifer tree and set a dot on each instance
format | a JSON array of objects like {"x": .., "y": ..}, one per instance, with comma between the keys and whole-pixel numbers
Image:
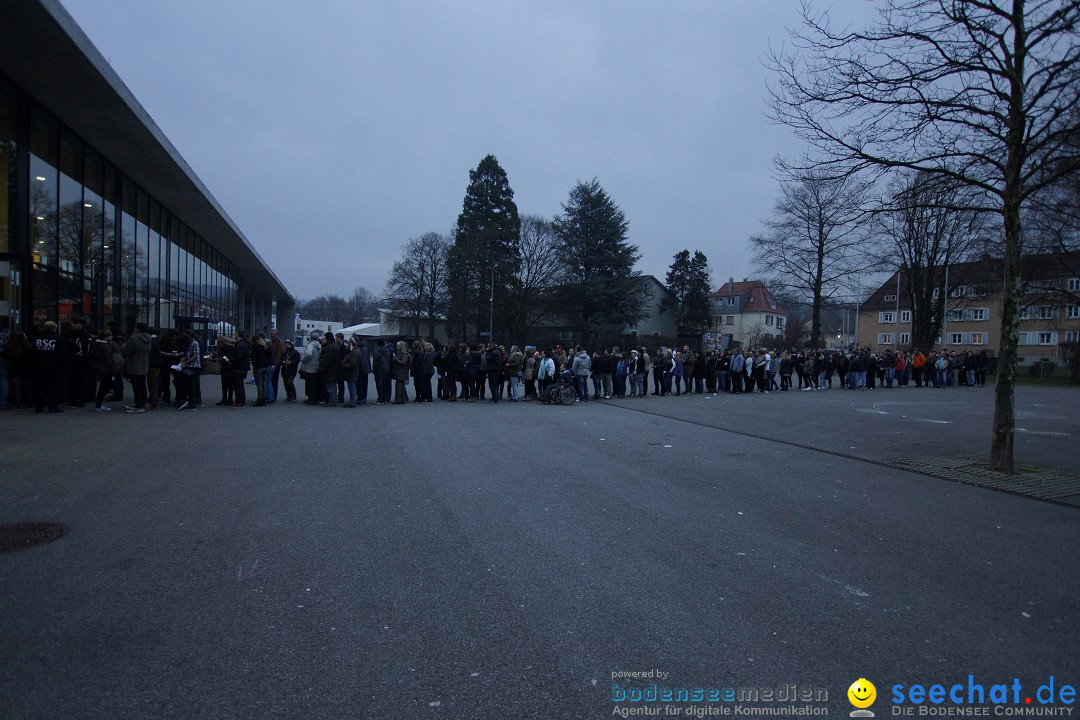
[
  {"x": 485, "y": 253},
  {"x": 688, "y": 281},
  {"x": 601, "y": 293}
]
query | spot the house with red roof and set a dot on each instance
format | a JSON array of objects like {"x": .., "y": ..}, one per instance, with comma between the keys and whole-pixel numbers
[{"x": 747, "y": 313}]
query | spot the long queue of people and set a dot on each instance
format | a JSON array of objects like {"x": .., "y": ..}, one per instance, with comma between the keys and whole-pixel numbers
[
  {"x": 86, "y": 369},
  {"x": 78, "y": 368},
  {"x": 488, "y": 372}
]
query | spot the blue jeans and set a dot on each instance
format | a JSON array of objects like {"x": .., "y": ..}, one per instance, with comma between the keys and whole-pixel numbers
[
  {"x": 270, "y": 395},
  {"x": 514, "y": 380},
  {"x": 582, "y": 386},
  {"x": 598, "y": 386},
  {"x": 331, "y": 391},
  {"x": 721, "y": 381},
  {"x": 350, "y": 385},
  {"x": 260, "y": 383}
]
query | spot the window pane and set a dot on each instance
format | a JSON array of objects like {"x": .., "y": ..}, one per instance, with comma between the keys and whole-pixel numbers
[
  {"x": 108, "y": 260},
  {"x": 127, "y": 265},
  {"x": 7, "y": 168},
  {"x": 44, "y": 210},
  {"x": 70, "y": 220}
]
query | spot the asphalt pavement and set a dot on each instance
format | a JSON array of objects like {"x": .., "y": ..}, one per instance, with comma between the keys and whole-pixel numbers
[{"x": 515, "y": 560}]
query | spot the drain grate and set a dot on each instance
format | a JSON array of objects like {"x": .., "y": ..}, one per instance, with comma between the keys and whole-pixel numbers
[
  {"x": 1041, "y": 482},
  {"x": 23, "y": 535}
]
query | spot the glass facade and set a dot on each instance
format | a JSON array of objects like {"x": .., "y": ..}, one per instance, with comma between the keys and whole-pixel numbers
[{"x": 92, "y": 243}]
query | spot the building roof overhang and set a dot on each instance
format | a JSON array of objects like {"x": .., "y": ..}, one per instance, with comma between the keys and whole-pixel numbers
[{"x": 44, "y": 51}]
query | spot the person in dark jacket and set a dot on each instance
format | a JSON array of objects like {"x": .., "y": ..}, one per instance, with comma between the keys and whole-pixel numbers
[
  {"x": 20, "y": 361},
  {"x": 136, "y": 354},
  {"x": 101, "y": 365},
  {"x": 474, "y": 373},
  {"x": 343, "y": 351},
  {"x": 78, "y": 350},
  {"x": 262, "y": 357},
  {"x": 226, "y": 355},
  {"x": 494, "y": 359},
  {"x": 241, "y": 363},
  {"x": 330, "y": 369},
  {"x": 429, "y": 370},
  {"x": 153, "y": 377},
  {"x": 419, "y": 376},
  {"x": 117, "y": 341},
  {"x": 450, "y": 366},
  {"x": 290, "y": 363},
  {"x": 170, "y": 355},
  {"x": 50, "y": 365},
  {"x": 350, "y": 371},
  {"x": 381, "y": 366},
  {"x": 365, "y": 370}
]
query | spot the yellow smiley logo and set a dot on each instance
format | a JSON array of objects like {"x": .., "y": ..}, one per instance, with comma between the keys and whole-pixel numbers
[{"x": 862, "y": 693}]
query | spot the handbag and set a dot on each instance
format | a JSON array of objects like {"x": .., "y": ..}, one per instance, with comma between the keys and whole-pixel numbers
[{"x": 212, "y": 367}]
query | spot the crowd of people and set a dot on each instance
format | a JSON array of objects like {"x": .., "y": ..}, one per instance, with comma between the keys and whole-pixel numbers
[{"x": 88, "y": 369}]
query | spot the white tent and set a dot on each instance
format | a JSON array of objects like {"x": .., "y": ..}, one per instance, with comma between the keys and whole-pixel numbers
[{"x": 363, "y": 330}]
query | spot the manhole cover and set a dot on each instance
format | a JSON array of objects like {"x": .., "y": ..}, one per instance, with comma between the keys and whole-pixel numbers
[{"x": 23, "y": 535}]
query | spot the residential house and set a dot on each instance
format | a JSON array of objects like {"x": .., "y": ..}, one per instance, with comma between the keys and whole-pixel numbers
[
  {"x": 1049, "y": 317},
  {"x": 747, "y": 313}
]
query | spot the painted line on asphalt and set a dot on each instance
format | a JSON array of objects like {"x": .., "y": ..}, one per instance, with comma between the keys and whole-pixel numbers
[{"x": 832, "y": 453}]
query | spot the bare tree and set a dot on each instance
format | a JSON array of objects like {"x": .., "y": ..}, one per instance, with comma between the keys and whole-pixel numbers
[
  {"x": 926, "y": 226},
  {"x": 417, "y": 284},
  {"x": 332, "y": 308},
  {"x": 363, "y": 307},
  {"x": 979, "y": 91},
  {"x": 529, "y": 299},
  {"x": 815, "y": 241}
]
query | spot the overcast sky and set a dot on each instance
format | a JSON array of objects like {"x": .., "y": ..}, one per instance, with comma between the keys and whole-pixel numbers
[{"x": 334, "y": 131}]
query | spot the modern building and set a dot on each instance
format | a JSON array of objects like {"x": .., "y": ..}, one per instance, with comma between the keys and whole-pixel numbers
[
  {"x": 100, "y": 216},
  {"x": 747, "y": 313},
  {"x": 1049, "y": 317},
  {"x": 302, "y": 328}
]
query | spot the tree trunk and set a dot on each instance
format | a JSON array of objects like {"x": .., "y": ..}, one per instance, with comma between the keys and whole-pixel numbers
[{"x": 1001, "y": 442}]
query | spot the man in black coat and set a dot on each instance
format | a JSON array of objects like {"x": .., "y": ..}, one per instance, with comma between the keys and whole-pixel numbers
[
  {"x": 365, "y": 370},
  {"x": 381, "y": 366},
  {"x": 50, "y": 364},
  {"x": 494, "y": 362},
  {"x": 329, "y": 368},
  {"x": 78, "y": 341}
]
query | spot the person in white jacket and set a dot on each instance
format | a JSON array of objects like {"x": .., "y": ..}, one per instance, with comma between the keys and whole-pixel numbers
[{"x": 309, "y": 369}]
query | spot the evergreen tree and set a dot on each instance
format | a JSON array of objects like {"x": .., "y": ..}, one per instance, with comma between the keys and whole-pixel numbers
[
  {"x": 485, "y": 254},
  {"x": 688, "y": 281},
  {"x": 601, "y": 294}
]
